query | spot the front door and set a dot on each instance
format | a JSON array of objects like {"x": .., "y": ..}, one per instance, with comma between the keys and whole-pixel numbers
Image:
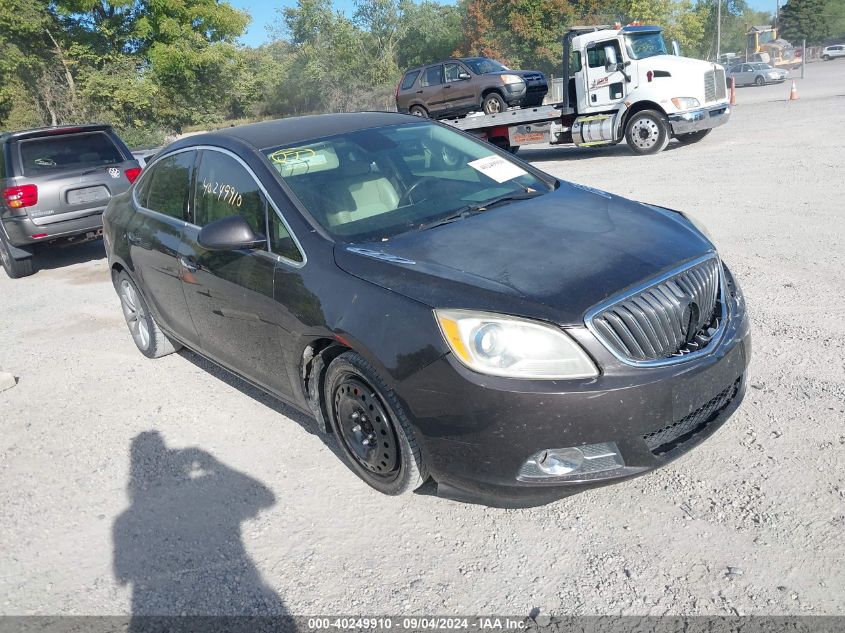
[
  {"x": 154, "y": 235},
  {"x": 457, "y": 93},
  {"x": 230, "y": 294},
  {"x": 605, "y": 84}
]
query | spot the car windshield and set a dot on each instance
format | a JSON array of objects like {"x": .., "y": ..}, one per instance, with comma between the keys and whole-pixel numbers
[
  {"x": 762, "y": 66},
  {"x": 377, "y": 183},
  {"x": 642, "y": 45},
  {"x": 68, "y": 151},
  {"x": 483, "y": 65}
]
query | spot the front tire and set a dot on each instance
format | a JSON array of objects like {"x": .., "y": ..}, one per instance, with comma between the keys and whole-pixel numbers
[
  {"x": 419, "y": 111},
  {"x": 147, "y": 335},
  {"x": 375, "y": 436},
  {"x": 759, "y": 81},
  {"x": 493, "y": 103},
  {"x": 826, "y": 58},
  {"x": 692, "y": 137},
  {"x": 647, "y": 132},
  {"x": 15, "y": 268}
]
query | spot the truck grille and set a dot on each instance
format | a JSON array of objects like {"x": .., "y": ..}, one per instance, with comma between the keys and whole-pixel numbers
[
  {"x": 664, "y": 440},
  {"x": 679, "y": 314},
  {"x": 714, "y": 85}
]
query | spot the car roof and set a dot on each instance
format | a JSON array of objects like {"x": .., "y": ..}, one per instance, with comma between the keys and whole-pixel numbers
[
  {"x": 303, "y": 128},
  {"x": 443, "y": 61},
  {"x": 53, "y": 131}
]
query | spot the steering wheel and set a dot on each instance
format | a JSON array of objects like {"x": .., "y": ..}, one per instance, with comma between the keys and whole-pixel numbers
[{"x": 406, "y": 197}]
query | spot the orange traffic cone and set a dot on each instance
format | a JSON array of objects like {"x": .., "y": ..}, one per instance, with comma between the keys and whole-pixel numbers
[
  {"x": 733, "y": 91},
  {"x": 793, "y": 94}
]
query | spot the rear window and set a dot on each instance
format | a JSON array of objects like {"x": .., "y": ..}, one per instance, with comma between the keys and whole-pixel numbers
[
  {"x": 409, "y": 79},
  {"x": 68, "y": 151}
]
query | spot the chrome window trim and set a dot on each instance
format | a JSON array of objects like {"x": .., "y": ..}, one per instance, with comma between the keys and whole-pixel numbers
[
  {"x": 653, "y": 281},
  {"x": 143, "y": 177},
  {"x": 279, "y": 258}
]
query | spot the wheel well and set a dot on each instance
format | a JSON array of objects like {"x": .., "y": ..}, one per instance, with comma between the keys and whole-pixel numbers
[
  {"x": 316, "y": 357},
  {"x": 116, "y": 269},
  {"x": 487, "y": 91}
]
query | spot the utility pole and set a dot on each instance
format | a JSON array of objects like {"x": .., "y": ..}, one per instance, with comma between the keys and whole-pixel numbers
[{"x": 718, "y": 29}]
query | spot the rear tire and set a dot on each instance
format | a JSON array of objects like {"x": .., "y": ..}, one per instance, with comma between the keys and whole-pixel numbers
[
  {"x": 647, "y": 132},
  {"x": 419, "y": 111},
  {"x": 493, "y": 103},
  {"x": 15, "y": 268},
  {"x": 148, "y": 337},
  {"x": 375, "y": 436},
  {"x": 692, "y": 137}
]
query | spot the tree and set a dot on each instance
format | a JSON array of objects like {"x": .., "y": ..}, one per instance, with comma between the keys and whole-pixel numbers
[
  {"x": 432, "y": 31},
  {"x": 800, "y": 19}
]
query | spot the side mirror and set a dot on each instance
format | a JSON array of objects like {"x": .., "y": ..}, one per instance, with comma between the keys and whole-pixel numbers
[
  {"x": 229, "y": 234},
  {"x": 610, "y": 61},
  {"x": 676, "y": 48},
  {"x": 463, "y": 76}
]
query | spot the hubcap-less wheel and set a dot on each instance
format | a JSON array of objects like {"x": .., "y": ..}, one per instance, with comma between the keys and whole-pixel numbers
[
  {"x": 136, "y": 316},
  {"x": 365, "y": 428},
  {"x": 645, "y": 133}
]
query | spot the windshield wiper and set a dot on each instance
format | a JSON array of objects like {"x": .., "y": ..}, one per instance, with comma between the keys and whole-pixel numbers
[{"x": 478, "y": 207}]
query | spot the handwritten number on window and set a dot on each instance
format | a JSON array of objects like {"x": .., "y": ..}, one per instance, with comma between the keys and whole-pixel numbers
[{"x": 224, "y": 193}]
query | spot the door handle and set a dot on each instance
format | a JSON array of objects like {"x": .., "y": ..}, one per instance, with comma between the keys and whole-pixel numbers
[
  {"x": 189, "y": 263},
  {"x": 419, "y": 92}
]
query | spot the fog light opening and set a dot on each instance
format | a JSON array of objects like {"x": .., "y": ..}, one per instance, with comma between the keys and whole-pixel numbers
[{"x": 573, "y": 462}]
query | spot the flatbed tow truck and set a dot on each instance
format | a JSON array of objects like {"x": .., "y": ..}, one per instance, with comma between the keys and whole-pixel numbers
[{"x": 623, "y": 84}]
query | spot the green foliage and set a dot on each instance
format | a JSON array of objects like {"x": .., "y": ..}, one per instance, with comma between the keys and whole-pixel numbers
[{"x": 801, "y": 19}]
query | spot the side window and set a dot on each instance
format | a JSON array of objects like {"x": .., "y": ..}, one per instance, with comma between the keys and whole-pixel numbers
[
  {"x": 165, "y": 187},
  {"x": 281, "y": 242},
  {"x": 409, "y": 79},
  {"x": 225, "y": 188},
  {"x": 574, "y": 63},
  {"x": 451, "y": 72},
  {"x": 432, "y": 77},
  {"x": 596, "y": 56},
  {"x": 2, "y": 160}
]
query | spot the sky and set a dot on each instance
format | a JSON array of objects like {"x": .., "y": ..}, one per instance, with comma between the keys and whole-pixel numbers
[{"x": 264, "y": 13}]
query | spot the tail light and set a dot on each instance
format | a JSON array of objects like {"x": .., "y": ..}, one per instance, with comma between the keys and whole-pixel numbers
[
  {"x": 21, "y": 196},
  {"x": 132, "y": 173}
]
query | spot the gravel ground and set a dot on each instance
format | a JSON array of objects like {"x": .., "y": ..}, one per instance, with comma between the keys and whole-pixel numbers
[{"x": 137, "y": 486}]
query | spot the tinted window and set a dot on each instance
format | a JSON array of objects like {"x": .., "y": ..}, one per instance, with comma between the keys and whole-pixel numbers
[
  {"x": 375, "y": 183},
  {"x": 68, "y": 151},
  {"x": 225, "y": 188},
  {"x": 2, "y": 160},
  {"x": 596, "y": 57},
  {"x": 432, "y": 76},
  {"x": 280, "y": 240},
  {"x": 574, "y": 63},
  {"x": 165, "y": 187},
  {"x": 409, "y": 79}
]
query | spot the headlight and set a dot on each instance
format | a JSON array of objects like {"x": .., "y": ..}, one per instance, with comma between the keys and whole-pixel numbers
[
  {"x": 685, "y": 103},
  {"x": 501, "y": 345},
  {"x": 511, "y": 79},
  {"x": 774, "y": 75}
]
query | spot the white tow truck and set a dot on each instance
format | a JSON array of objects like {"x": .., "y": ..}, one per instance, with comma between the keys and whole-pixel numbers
[{"x": 623, "y": 83}]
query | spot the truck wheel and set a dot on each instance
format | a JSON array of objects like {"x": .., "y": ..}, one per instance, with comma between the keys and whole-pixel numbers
[
  {"x": 692, "y": 137},
  {"x": 647, "y": 132},
  {"x": 759, "y": 81},
  {"x": 419, "y": 111},
  {"x": 493, "y": 104},
  {"x": 15, "y": 268}
]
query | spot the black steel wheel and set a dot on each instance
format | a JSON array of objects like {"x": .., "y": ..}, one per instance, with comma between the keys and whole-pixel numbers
[{"x": 376, "y": 438}]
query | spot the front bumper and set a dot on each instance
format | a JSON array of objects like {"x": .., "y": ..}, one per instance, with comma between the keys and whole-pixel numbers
[
  {"x": 700, "y": 119},
  {"x": 477, "y": 431}
]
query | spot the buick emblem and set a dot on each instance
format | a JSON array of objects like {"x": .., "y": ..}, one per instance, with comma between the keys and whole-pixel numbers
[
  {"x": 689, "y": 321},
  {"x": 114, "y": 172}
]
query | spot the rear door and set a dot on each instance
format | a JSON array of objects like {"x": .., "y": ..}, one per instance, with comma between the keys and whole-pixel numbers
[
  {"x": 76, "y": 173},
  {"x": 431, "y": 84},
  {"x": 230, "y": 294},
  {"x": 154, "y": 236}
]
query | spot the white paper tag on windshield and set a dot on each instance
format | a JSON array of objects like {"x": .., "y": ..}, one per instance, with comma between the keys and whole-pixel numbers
[{"x": 497, "y": 168}]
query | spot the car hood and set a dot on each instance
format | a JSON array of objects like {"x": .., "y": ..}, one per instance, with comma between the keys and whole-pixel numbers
[{"x": 552, "y": 257}]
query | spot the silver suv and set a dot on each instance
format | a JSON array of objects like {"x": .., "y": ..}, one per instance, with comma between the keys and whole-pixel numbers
[{"x": 55, "y": 184}]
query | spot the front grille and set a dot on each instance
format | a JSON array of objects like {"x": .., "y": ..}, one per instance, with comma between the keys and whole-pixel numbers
[
  {"x": 674, "y": 317},
  {"x": 669, "y": 437},
  {"x": 714, "y": 85}
]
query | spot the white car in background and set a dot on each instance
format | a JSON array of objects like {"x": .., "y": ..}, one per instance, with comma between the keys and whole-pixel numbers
[
  {"x": 757, "y": 73},
  {"x": 832, "y": 52}
]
